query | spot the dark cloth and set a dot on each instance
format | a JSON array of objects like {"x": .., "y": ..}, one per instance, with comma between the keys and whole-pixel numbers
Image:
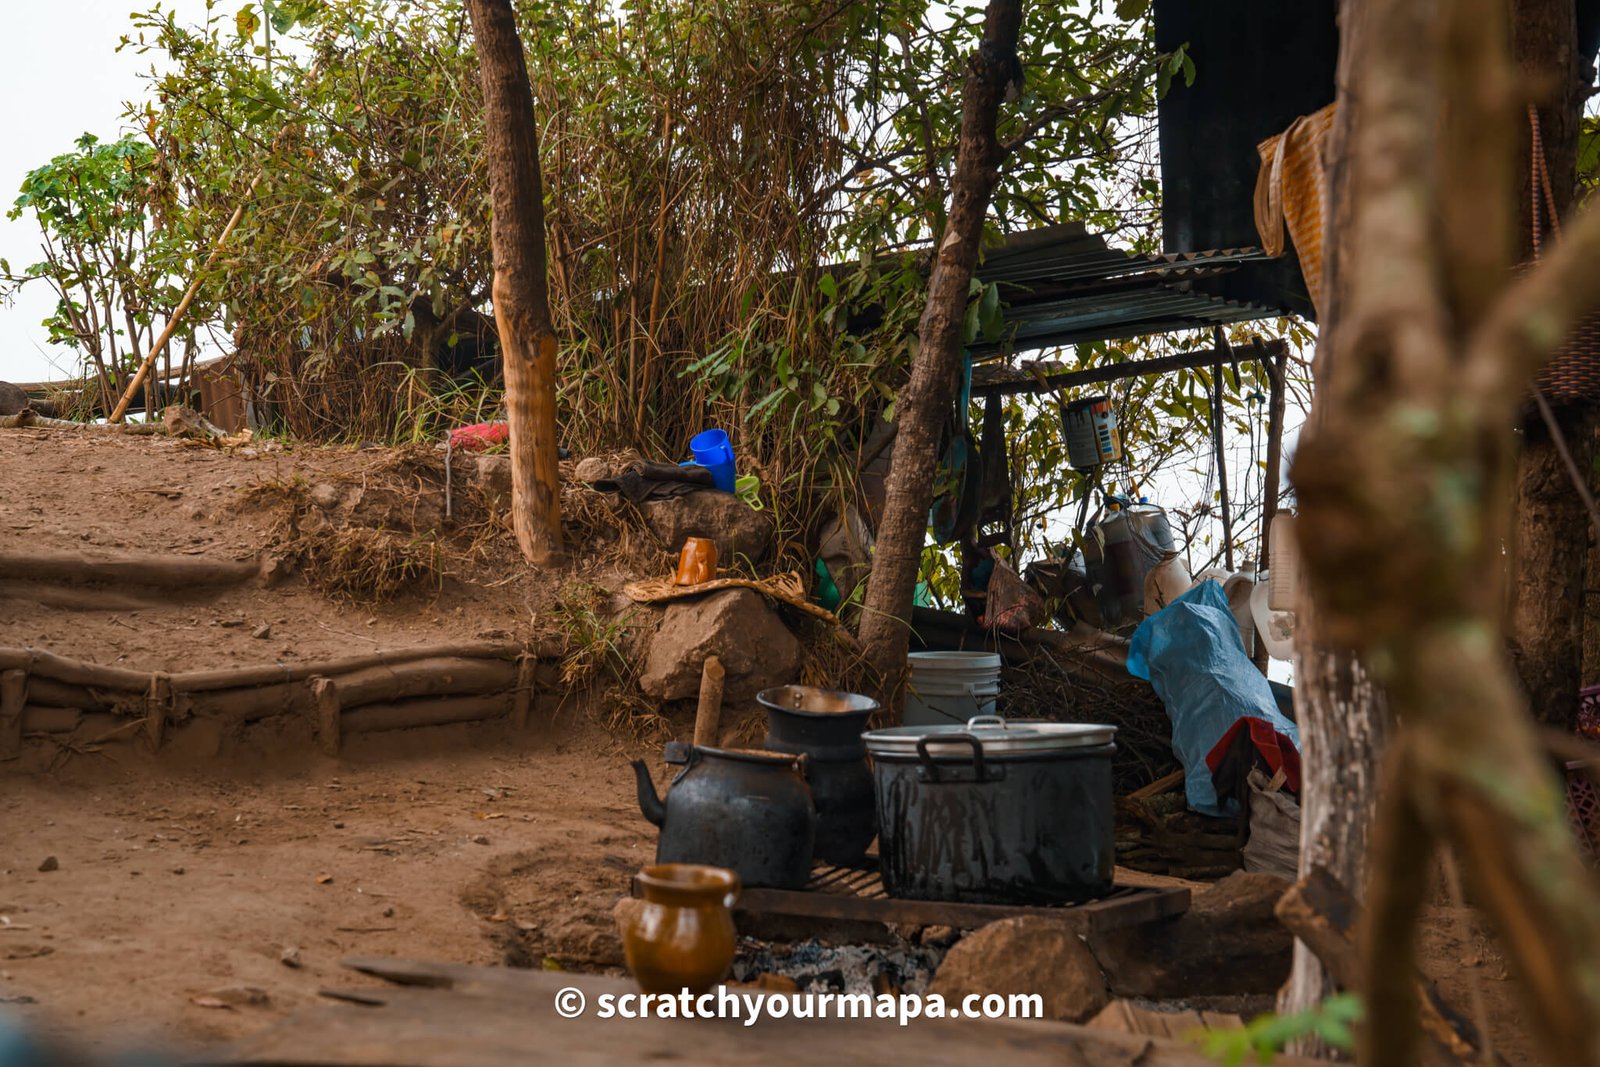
[{"x": 656, "y": 481}]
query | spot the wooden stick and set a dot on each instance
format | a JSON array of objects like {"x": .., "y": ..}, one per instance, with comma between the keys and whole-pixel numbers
[
  {"x": 708, "y": 716},
  {"x": 429, "y": 712},
  {"x": 179, "y": 572},
  {"x": 231, "y": 678},
  {"x": 30, "y": 418},
  {"x": 522, "y": 702},
  {"x": 183, "y": 306},
  {"x": 13, "y": 695},
  {"x": 37, "y": 719},
  {"x": 325, "y": 695},
  {"x": 157, "y": 704},
  {"x": 436, "y": 676}
]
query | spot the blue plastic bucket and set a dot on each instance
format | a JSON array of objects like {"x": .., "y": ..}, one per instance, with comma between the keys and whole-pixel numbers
[{"x": 713, "y": 451}]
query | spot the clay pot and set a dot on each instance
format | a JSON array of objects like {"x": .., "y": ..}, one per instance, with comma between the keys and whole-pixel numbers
[
  {"x": 683, "y": 936},
  {"x": 697, "y": 562}
]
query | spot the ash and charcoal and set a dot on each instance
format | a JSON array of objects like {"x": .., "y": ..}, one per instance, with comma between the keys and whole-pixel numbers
[{"x": 818, "y": 968}]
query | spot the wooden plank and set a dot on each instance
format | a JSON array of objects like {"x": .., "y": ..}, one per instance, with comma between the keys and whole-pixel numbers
[
  {"x": 497, "y": 1017},
  {"x": 1125, "y": 1017},
  {"x": 1021, "y": 381}
]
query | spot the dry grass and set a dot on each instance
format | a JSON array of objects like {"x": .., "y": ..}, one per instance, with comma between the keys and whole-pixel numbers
[{"x": 366, "y": 565}]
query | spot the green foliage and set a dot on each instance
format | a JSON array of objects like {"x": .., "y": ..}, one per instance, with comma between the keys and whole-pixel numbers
[
  {"x": 112, "y": 253},
  {"x": 1264, "y": 1037},
  {"x": 741, "y": 197}
]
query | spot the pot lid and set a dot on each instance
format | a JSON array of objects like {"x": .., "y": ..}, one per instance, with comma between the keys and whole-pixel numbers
[{"x": 996, "y": 736}]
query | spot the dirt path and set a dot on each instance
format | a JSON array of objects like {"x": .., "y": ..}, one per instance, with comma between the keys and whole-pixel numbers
[{"x": 178, "y": 890}]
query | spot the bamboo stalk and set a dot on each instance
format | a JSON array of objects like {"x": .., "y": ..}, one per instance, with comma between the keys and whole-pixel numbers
[
  {"x": 708, "y": 715},
  {"x": 183, "y": 306}
]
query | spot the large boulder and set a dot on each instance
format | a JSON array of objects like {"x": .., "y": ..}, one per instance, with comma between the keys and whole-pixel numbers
[
  {"x": 1229, "y": 942},
  {"x": 1025, "y": 955},
  {"x": 736, "y": 527},
  {"x": 737, "y": 626}
]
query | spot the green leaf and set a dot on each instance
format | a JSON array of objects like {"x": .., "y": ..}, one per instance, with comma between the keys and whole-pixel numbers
[
  {"x": 1132, "y": 9},
  {"x": 246, "y": 22},
  {"x": 990, "y": 315}
]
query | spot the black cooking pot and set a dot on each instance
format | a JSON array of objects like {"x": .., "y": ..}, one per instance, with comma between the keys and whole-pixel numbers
[
  {"x": 825, "y": 726},
  {"x": 995, "y": 812}
]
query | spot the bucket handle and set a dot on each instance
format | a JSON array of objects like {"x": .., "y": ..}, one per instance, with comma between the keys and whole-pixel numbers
[{"x": 930, "y": 766}]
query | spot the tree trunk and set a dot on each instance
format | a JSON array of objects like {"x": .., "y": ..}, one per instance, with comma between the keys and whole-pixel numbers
[
  {"x": 931, "y": 390},
  {"x": 521, "y": 292},
  {"x": 1551, "y": 526},
  {"x": 1341, "y": 714},
  {"x": 1405, "y": 490}
]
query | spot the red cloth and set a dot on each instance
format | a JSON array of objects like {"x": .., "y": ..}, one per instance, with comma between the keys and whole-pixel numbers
[
  {"x": 480, "y": 436},
  {"x": 1276, "y": 749}
]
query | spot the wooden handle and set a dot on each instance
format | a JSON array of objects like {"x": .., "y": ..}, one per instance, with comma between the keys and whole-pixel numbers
[{"x": 708, "y": 716}]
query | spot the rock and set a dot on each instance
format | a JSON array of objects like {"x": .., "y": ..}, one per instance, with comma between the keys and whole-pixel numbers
[
  {"x": 181, "y": 421},
  {"x": 244, "y": 996},
  {"x": 736, "y": 527},
  {"x": 50, "y": 864},
  {"x": 262, "y": 632},
  {"x": 1228, "y": 942},
  {"x": 290, "y": 957},
  {"x": 591, "y": 469},
  {"x": 584, "y": 941},
  {"x": 737, "y": 626},
  {"x": 492, "y": 476},
  {"x": 1026, "y": 955},
  {"x": 325, "y": 495},
  {"x": 12, "y": 399},
  {"x": 480, "y": 839}
]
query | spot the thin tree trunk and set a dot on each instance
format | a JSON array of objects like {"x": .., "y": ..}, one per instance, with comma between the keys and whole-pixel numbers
[
  {"x": 1551, "y": 526},
  {"x": 1341, "y": 715},
  {"x": 931, "y": 390},
  {"x": 1404, "y": 482},
  {"x": 521, "y": 293}
]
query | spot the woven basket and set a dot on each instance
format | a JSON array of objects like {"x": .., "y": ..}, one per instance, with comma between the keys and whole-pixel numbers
[{"x": 1573, "y": 373}]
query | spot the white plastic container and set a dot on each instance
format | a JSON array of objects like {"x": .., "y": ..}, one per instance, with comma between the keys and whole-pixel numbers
[
  {"x": 951, "y": 687},
  {"x": 1166, "y": 582},
  {"x": 1283, "y": 577},
  {"x": 1276, "y": 628}
]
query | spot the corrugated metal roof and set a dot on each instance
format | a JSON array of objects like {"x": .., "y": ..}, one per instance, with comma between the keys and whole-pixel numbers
[{"x": 1065, "y": 285}]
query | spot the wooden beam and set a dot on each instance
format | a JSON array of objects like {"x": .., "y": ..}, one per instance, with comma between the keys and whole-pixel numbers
[
  {"x": 1116, "y": 372},
  {"x": 13, "y": 695}
]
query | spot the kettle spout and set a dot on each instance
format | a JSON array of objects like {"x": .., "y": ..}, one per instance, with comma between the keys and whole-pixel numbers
[{"x": 649, "y": 802}]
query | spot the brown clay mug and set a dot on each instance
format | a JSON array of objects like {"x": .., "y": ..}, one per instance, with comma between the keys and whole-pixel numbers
[
  {"x": 697, "y": 562},
  {"x": 682, "y": 937}
]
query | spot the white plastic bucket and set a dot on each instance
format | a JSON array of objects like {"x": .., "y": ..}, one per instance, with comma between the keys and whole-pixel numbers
[{"x": 951, "y": 687}]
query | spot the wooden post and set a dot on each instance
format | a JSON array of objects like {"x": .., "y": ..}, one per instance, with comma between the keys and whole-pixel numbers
[
  {"x": 521, "y": 291},
  {"x": 708, "y": 716},
  {"x": 1217, "y": 449},
  {"x": 13, "y": 695},
  {"x": 1276, "y": 367},
  {"x": 325, "y": 696},
  {"x": 522, "y": 702},
  {"x": 157, "y": 702}
]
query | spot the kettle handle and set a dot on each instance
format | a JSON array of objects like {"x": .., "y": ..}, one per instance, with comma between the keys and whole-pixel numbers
[{"x": 931, "y": 766}]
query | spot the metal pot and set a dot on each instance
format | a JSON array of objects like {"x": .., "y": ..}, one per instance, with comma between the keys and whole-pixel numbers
[
  {"x": 825, "y": 726},
  {"x": 744, "y": 809},
  {"x": 995, "y": 812}
]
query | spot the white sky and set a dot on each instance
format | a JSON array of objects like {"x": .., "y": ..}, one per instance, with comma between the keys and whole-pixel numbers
[{"x": 60, "y": 76}]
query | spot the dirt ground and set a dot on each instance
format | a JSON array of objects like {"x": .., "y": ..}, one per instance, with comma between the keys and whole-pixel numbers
[{"x": 197, "y": 895}]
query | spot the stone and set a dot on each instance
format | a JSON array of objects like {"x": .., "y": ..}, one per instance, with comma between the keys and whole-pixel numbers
[
  {"x": 50, "y": 864},
  {"x": 736, "y": 527},
  {"x": 737, "y": 626},
  {"x": 1029, "y": 954},
  {"x": 492, "y": 476},
  {"x": 591, "y": 469},
  {"x": 1229, "y": 942},
  {"x": 13, "y": 400},
  {"x": 182, "y": 421}
]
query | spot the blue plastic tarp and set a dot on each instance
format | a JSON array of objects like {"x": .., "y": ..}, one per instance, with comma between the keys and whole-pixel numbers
[{"x": 1191, "y": 652}]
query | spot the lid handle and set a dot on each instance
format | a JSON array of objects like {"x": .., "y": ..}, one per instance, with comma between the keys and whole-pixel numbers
[{"x": 986, "y": 720}]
